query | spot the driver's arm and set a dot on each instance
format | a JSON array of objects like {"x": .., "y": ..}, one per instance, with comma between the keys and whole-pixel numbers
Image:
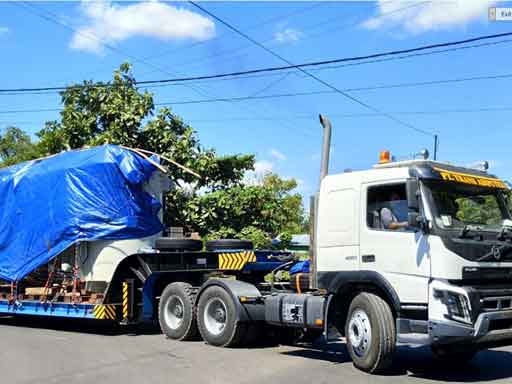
[{"x": 388, "y": 222}]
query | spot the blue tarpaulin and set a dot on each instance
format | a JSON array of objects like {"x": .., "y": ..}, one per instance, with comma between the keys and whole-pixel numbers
[
  {"x": 300, "y": 267},
  {"x": 84, "y": 195}
]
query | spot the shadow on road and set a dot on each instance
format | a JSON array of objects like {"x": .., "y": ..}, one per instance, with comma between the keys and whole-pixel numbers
[
  {"x": 335, "y": 353},
  {"x": 419, "y": 362},
  {"x": 104, "y": 328},
  {"x": 488, "y": 365}
]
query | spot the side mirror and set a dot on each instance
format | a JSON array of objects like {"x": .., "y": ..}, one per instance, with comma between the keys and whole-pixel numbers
[
  {"x": 415, "y": 220},
  {"x": 413, "y": 194}
]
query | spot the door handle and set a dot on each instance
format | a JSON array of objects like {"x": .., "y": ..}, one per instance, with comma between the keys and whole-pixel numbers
[{"x": 368, "y": 258}]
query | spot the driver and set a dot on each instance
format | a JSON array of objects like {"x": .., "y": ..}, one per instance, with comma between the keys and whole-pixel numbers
[{"x": 394, "y": 217}]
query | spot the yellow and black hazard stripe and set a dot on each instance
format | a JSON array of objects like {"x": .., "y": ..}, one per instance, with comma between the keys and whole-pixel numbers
[
  {"x": 236, "y": 261},
  {"x": 125, "y": 300},
  {"x": 104, "y": 312}
]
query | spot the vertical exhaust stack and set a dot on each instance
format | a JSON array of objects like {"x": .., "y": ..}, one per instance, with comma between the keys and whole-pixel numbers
[
  {"x": 313, "y": 208},
  {"x": 326, "y": 146}
]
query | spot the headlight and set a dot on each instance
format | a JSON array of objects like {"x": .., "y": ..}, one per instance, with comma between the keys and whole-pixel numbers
[{"x": 457, "y": 305}]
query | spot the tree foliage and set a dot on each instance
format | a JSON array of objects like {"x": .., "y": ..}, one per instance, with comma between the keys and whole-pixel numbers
[
  {"x": 16, "y": 146},
  {"x": 257, "y": 212},
  {"x": 218, "y": 203}
]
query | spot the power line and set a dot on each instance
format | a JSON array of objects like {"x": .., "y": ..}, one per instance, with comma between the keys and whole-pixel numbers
[
  {"x": 257, "y": 96},
  {"x": 217, "y": 37},
  {"x": 357, "y": 89},
  {"x": 53, "y": 18},
  {"x": 327, "y": 22},
  {"x": 439, "y": 112},
  {"x": 316, "y": 78},
  {"x": 258, "y": 25},
  {"x": 386, "y": 59},
  {"x": 434, "y": 112},
  {"x": 283, "y": 68},
  {"x": 49, "y": 16}
]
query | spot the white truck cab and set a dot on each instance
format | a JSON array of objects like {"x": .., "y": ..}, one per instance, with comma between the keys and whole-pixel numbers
[
  {"x": 416, "y": 252},
  {"x": 431, "y": 239}
]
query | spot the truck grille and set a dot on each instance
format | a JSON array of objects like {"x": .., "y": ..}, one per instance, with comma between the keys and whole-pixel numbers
[{"x": 496, "y": 303}]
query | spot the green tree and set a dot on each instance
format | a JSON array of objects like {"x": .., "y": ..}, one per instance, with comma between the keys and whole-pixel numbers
[
  {"x": 256, "y": 212},
  {"x": 218, "y": 203},
  {"x": 16, "y": 146}
]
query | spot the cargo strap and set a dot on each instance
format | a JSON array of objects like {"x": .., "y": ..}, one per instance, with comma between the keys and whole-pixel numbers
[
  {"x": 44, "y": 298},
  {"x": 14, "y": 293}
]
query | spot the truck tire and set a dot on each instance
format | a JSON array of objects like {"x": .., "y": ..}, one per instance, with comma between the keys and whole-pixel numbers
[
  {"x": 169, "y": 244},
  {"x": 456, "y": 355},
  {"x": 176, "y": 312},
  {"x": 217, "y": 320},
  {"x": 229, "y": 244},
  {"x": 370, "y": 333}
]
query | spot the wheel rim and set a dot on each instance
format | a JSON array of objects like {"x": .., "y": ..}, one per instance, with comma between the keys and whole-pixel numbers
[
  {"x": 174, "y": 312},
  {"x": 360, "y": 332},
  {"x": 215, "y": 316}
]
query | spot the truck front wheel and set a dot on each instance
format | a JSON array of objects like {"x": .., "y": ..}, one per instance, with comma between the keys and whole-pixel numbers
[
  {"x": 217, "y": 320},
  {"x": 370, "y": 333},
  {"x": 176, "y": 312}
]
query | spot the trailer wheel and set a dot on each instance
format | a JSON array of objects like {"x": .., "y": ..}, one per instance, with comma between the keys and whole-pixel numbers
[
  {"x": 454, "y": 355},
  {"x": 216, "y": 318},
  {"x": 370, "y": 333},
  {"x": 176, "y": 312}
]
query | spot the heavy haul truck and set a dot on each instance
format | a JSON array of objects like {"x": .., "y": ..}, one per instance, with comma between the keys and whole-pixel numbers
[{"x": 416, "y": 252}]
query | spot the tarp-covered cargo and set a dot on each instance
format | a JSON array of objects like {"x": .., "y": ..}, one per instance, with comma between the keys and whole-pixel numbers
[{"x": 48, "y": 205}]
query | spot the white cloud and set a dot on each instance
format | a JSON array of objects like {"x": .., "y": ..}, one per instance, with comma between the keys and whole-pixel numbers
[
  {"x": 278, "y": 155},
  {"x": 261, "y": 169},
  {"x": 434, "y": 15},
  {"x": 108, "y": 23},
  {"x": 288, "y": 35}
]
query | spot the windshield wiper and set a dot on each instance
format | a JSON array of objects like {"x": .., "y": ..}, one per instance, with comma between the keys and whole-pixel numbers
[
  {"x": 496, "y": 252},
  {"x": 504, "y": 234},
  {"x": 465, "y": 232}
]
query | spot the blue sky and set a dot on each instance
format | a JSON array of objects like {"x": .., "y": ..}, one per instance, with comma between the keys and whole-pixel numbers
[{"x": 49, "y": 43}]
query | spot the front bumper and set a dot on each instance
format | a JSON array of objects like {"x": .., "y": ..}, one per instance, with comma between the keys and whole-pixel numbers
[{"x": 489, "y": 328}]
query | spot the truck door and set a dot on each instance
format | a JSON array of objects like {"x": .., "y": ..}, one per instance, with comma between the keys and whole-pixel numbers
[{"x": 388, "y": 247}]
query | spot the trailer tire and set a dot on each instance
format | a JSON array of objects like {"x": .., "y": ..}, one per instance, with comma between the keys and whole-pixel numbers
[
  {"x": 370, "y": 333},
  {"x": 169, "y": 244},
  {"x": 176, "y": 312},
  {"x": 217, "y": 318},
  {"x": 229, "y": 244}
]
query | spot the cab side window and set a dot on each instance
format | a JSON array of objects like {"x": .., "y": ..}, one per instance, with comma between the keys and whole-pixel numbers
[{"x": 387, "y": 208}]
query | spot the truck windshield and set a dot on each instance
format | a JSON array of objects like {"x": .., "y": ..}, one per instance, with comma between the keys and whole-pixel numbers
[{"x": 458, "y": 205}]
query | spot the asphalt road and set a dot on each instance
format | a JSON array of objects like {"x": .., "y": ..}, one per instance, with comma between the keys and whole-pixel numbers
[{"x": 60, "y": 351}]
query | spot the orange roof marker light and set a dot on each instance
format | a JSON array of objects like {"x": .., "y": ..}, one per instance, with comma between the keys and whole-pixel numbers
[{"x": 384, "y": 157}]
